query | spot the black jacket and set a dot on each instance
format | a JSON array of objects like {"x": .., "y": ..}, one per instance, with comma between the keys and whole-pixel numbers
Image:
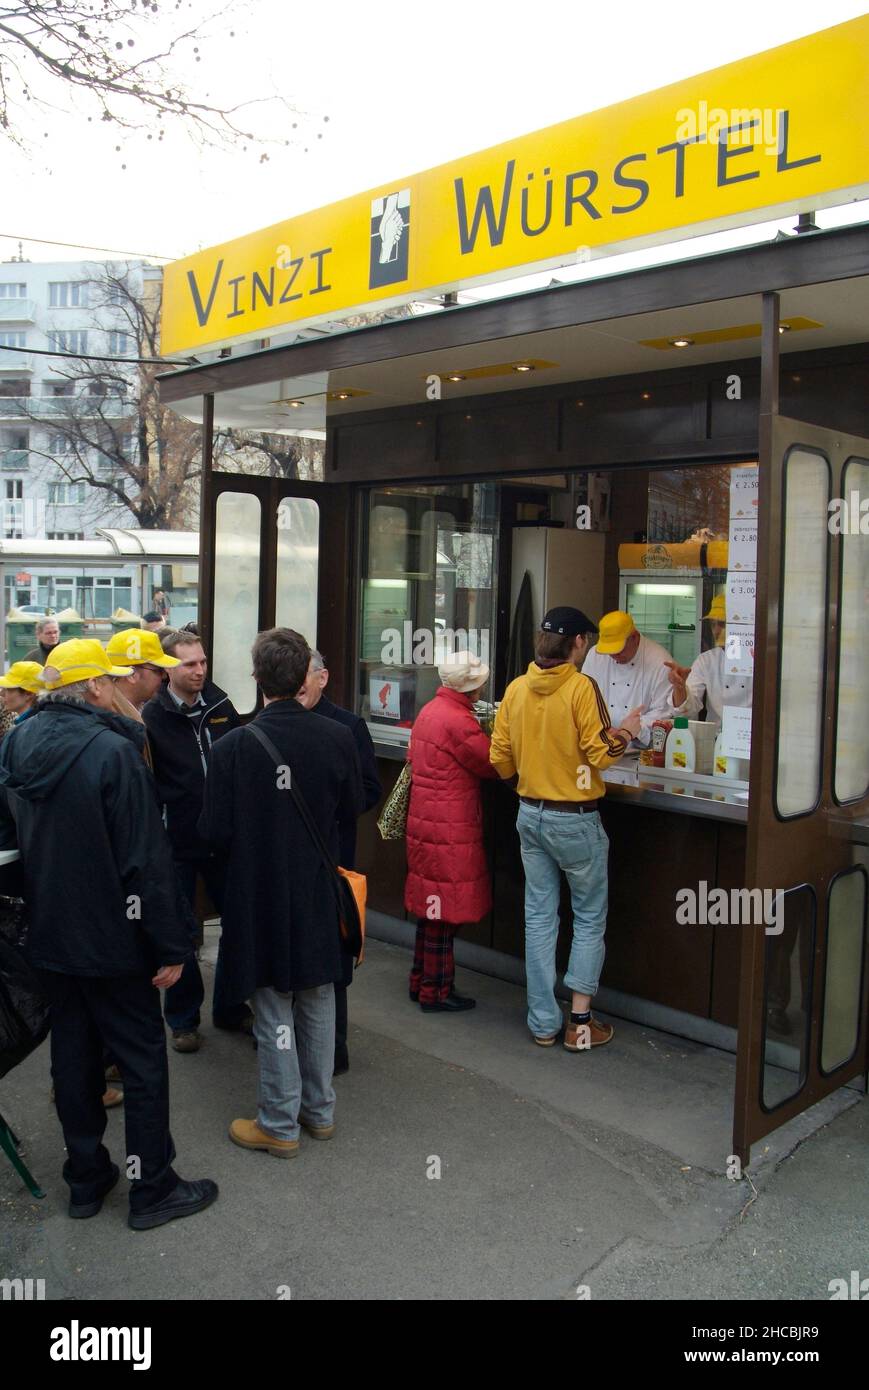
[
  {"x": 99, "y": 879},
  {"x": 181, "y": 748},
  {"x": 371, "y": 787},
  {"x": 280, "y": 920}
]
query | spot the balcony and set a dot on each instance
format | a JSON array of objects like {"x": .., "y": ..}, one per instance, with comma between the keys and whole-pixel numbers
[
  {"x": 17, "y": 311},
  {"x": 14, "y": 460},
  {"x": 65, "y": 407}
]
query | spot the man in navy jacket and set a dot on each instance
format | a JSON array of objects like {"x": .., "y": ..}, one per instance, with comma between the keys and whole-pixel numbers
[{"x": 312, "y": 698}]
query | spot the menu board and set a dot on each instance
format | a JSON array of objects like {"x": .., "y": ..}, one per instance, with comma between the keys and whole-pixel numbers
[{"x": 740, "y": 601}]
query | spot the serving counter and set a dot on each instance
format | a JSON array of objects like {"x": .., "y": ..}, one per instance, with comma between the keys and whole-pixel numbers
[{"x": 661, "y": 841}]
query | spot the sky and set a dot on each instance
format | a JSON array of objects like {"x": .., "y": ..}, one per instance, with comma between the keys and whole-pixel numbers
[{"x": 380, "y": 91}]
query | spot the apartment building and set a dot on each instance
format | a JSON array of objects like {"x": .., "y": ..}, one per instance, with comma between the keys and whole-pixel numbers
[{"x": 56, "y": 409}]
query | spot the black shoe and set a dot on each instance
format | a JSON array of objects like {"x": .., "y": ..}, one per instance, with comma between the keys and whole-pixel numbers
[
  {"x": 453, "y": 1004},
  {"x": 342, "y": 1061},
  {"x": 80, "y": 1211},
  {"x": 185, "y": 1199},
  {"x": 413, "y": 996},
  {"x": 235, "y": 1025}
]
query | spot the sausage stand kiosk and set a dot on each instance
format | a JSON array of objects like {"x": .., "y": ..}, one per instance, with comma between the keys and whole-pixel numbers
[{"x": 650, "y": 439}]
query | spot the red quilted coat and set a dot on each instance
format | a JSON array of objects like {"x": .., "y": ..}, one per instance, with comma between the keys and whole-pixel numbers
[{"x": 449, "y": 753}]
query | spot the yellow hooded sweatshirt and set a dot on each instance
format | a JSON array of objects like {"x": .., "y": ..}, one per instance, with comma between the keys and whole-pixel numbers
[{"x": 554, "y": 729}]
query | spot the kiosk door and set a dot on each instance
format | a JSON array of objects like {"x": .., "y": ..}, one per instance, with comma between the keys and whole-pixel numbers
[
  {"x": 803, "y": 977},
  {"x": 281, "y": 555}
]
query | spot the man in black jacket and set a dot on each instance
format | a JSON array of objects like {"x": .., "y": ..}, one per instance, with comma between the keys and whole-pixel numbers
[
  {"x": 105, "y": 931},
  {"x": 311, "y": 697},
  {"x": 282, "y": 943},
  {"x": 184, "y": 720}
]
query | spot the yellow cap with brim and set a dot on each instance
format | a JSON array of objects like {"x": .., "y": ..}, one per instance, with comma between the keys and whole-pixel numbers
[
  {"x": 79, "y": 659},
  {"x": 23, "y": 675},
  {"x": 138, "y": 647},
  {"x": 717, "y": 611},
  {"x": 615, "y": 629}
]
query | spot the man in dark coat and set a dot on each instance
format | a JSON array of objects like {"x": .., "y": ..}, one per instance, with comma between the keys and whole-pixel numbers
[
  {"x": 105, "y": 930},
  {"x": 184, "y": 721},
  {"x": 282, "y": 943},
  {"x": 312, "y": 697}
]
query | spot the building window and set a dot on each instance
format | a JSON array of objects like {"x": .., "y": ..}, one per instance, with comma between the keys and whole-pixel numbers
[
  {"x": 13, "y": 291},
  {"x": 66, "y": 494},
  {"x": 13, "y": 340},
  {"x": 59, "y": 444},
  {"x": 65, "y": 535},
  {"x": 72, "y": 340},
  {"x": 67, "y": 294},
  {"x": 120, "y": 344}
]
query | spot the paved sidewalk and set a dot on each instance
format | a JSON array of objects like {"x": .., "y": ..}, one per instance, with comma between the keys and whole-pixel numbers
[{"x": 556, "y": 1170}]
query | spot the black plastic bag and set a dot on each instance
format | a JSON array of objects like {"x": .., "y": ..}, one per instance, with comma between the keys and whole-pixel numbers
[{"x": 24, "y": 1013}]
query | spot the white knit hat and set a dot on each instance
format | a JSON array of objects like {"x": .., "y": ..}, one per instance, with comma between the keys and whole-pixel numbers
[{"x": 463, "y": 671}]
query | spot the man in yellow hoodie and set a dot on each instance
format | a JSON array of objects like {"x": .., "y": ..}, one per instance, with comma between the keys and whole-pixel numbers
[{"x": 553, "y": 730}]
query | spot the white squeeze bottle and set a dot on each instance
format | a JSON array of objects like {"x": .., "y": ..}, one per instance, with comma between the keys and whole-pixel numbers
[
  {"x": 724, "y": 765},
  {"x": 680, "y": 752}
]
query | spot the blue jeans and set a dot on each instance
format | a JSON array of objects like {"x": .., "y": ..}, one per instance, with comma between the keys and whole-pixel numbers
[
  {"x": 295, "y": 1036},
  {"x": 552, "y": 842}
]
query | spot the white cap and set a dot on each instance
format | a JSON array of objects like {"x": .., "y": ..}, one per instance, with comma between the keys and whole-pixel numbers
[{"x": 463, "y": 671}]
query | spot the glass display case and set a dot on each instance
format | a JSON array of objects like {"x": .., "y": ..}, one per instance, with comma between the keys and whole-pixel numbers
[
  {"x": 669, "y": 611},
  {"x": 427, "y": 589}
]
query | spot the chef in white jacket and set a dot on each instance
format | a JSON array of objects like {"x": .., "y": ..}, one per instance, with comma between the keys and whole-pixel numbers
[
  {"x": 708, "y": 679},
  {"x": 630, "y": 670}
]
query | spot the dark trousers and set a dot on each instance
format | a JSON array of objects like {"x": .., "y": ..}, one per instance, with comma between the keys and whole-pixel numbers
[
  {"x": 184, "y": 1000},
  {"x": 341, "y": 1056},
  {"x": 123, "y": 1016},
  {"x": 434, "y": 966}
]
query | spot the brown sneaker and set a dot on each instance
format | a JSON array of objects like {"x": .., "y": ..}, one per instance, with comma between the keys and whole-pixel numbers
[
  {"x": 248, "y": 1135},
  {"x": 579, "y": 1037},
  {"x": 112, "y": 1097},
  {"x": 191, "y": 1041}
]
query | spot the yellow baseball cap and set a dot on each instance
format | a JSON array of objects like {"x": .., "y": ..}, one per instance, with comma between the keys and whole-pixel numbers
[
  {"x": 615, "y": 629},
  {"x": 717, "y": 611},
  {"x": 79, "y": 659},
  {"x": 23, "y": 675},
  {"x": 138, "y": 647}
]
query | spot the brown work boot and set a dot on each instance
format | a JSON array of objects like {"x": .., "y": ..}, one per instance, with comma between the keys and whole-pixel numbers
[
  {"x": 248, "y": 1135},
  {"x": 579, "y": 1037},
  {"x": 187, "y": 1041}
]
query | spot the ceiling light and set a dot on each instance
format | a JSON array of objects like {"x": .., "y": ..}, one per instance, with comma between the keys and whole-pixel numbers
[
  {"x": 522, "y": 367},
  {"x": 646, "y": 395},
  {"x": 342, "y": 395},
  {"x": 295, "y": 404},
  {"x": 784, "y": 328},
  {"x": 455, "y": 376},
  {"x": 682, "y": 342}
]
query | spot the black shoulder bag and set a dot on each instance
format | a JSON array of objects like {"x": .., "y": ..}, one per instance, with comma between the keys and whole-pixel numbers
[{"x": 347, "y": 886}]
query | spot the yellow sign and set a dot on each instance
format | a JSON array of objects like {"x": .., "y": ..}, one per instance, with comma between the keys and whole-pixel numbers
[{"x": 779, "y": 133}]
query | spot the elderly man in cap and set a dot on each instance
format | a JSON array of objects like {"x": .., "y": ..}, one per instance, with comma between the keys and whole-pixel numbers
[
  {"x": 708, "y": 679},
  {"x": 105, "y": 931},
  {"x": 142, "y": 652},
  {"x": 553, "y": 730},
  {"x": 630, "y": 670}
]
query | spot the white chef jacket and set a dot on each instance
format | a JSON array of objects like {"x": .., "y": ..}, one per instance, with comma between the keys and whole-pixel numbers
[
  {"x": 708, "y": 677},
  {"x": 644, "y": 680}
]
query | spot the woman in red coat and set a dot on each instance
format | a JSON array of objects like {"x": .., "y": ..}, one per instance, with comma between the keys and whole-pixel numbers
[{"x": 448, "y": 877}]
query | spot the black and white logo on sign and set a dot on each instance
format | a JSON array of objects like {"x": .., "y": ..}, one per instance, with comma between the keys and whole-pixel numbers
[{"x": 390, "y": 239}]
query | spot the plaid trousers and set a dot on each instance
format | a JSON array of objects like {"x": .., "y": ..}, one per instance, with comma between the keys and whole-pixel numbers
[{"x": 434, "y": 965}]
